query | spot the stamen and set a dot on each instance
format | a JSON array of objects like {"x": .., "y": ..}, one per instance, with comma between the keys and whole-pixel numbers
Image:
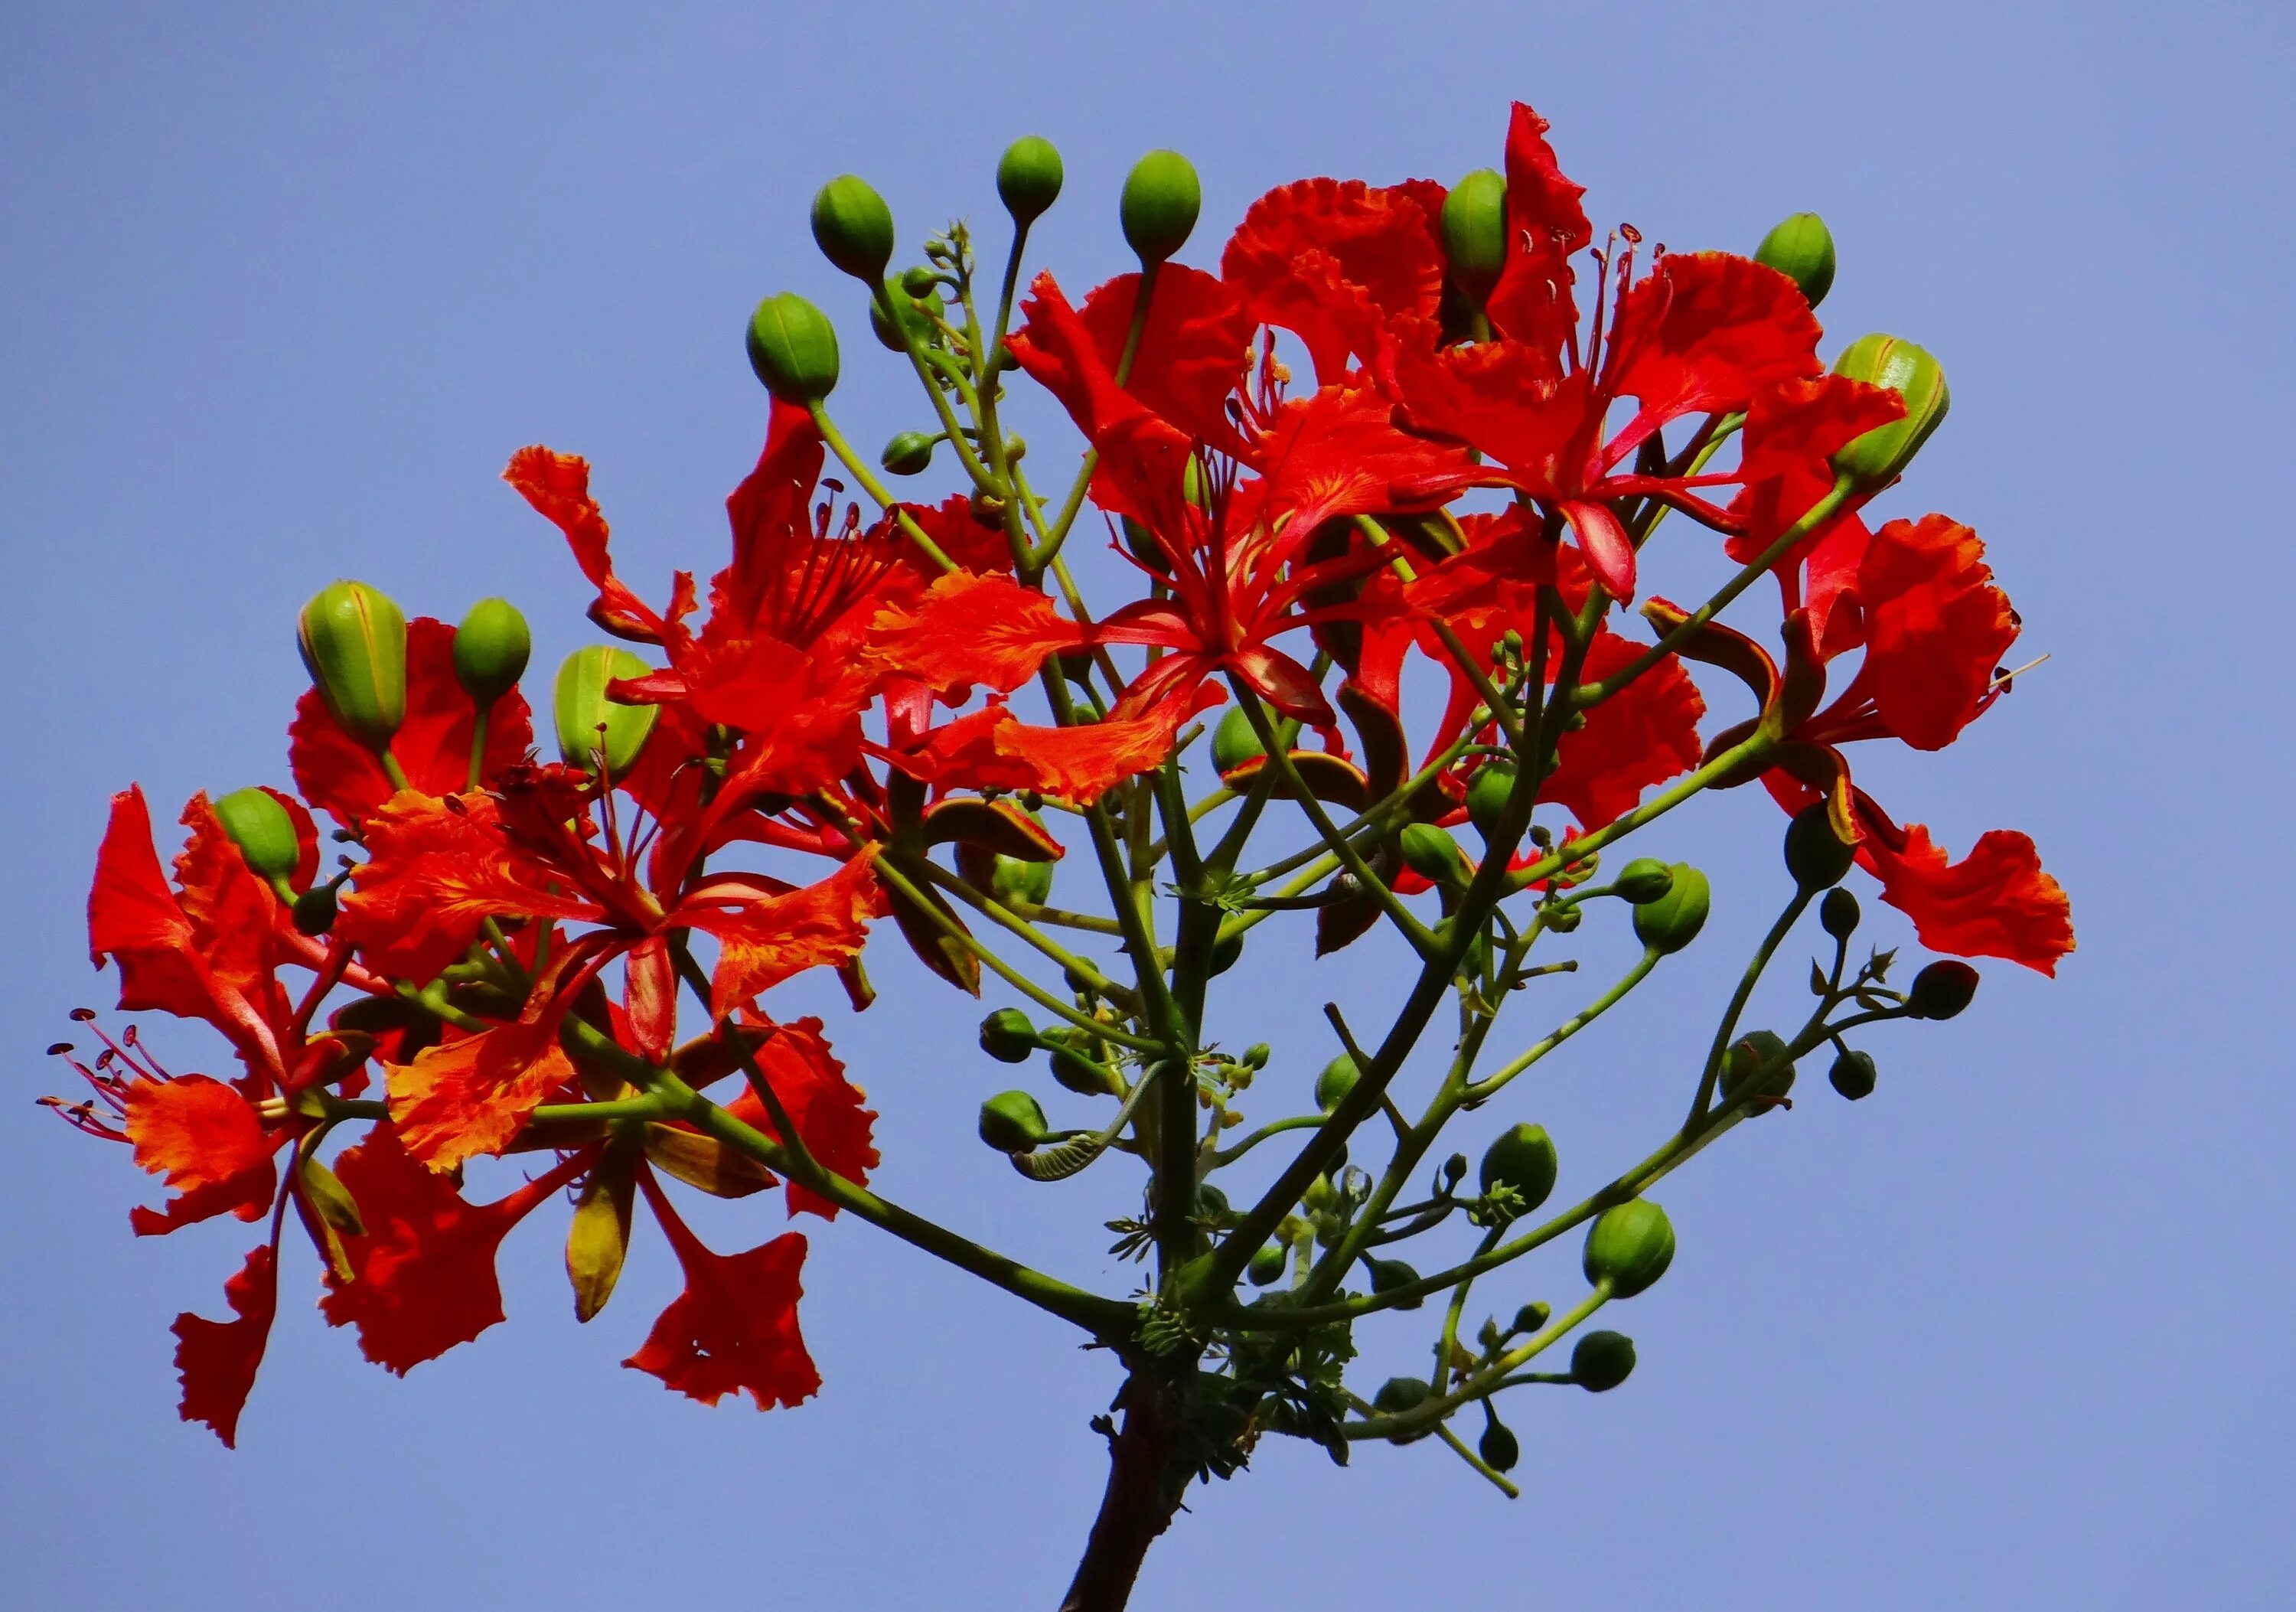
[{"x": 2002, "y": 679}]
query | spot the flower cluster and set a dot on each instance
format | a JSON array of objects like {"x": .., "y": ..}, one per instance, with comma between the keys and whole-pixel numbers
[{"x": 1402, "y": 433}]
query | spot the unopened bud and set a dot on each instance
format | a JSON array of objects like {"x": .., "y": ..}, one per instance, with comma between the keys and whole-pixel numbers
[
  {"x": 1815, "y": 855},
  {"x": 1431, "y": 854},
  {"x": 1672, "y": 921},
  {"x": 1644, "y": 879},
  {"x": 1389, "y": 1275},
  {"x": 491, "y": 647},
  {"x": 854, "y": 227},
  {"x": 314, "y": 911},
  {"x": 1876, "y": 458},
  {"x": 1629, "y": 1246},
  {"x": 259, "y": 826},
  {"x": 583, "y": 709},
  {"x": 1011, "y": 1121},
  {"x": 1161, "y": 199},
  {"x": 1475, "y": 232},
  {"x": 1941, "y": 989},
  {"x": 1398, "y": 1394},
  {"x": 354, "y": 643},
  {"x": 908, "y": 454},
  {"x": 1487, "y": 796},
  {"x": 1338, "y": 1079},
  {"x": 1532, "y": 1316},
  {"x": 1268, "y": 1264},
  {"x": 1852, "y": 1074},
  {"x": 1601, "y": 1360},
  {"x": 1800, "y": 248},
  {"x": 794, "y": 349},
  {"x": 1523, "y": 1159},
  {"x": 1235, "y": 743},
  {"x": 1499, "y": 1448},
  {"x": 1028, "y": 178},
  {"x": 1839, "y": 914},
  {"x": 1756, "y": 1066},
  {"x": 1078, "y": 1074},
  {"x": 1007, "y": 1036}
]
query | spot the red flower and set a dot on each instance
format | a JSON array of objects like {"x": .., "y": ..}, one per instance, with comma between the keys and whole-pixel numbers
[
  {"x": 734, "y": 1326},
  {"x": 1337, "y": 263}
]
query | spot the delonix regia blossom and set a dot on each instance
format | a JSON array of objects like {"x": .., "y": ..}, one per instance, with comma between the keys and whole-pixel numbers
[{"x": 1399, "y": 427}]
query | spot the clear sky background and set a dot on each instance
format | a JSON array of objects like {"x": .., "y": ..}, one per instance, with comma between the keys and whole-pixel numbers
[{"x": 280, "y": 294}]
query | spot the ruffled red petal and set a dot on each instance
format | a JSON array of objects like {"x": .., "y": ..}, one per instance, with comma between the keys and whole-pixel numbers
[
  {"x": 973, "y": 629},
  {"x": 472, "y": 1096},
  {"x": 558, "y": 486},
  {"x": 1705, "y": 331},
  {"x": 993, "y": 749},
  {"x": 761, "y": 943},
  {"x": 826, "y": 1109},
  {"x": 1193, "y": 353},
  {"x": 1995, "y": 901},
  {"x": 1336, "y": 453},
  {"x": 1643, "y": 735},
  {"x": 1545, "y": 226},
  {"x": 204, "y": 1140},
  {"x": 1336, "y": 262},
  {"x": 734, "y": 1326},
  {"x": 217, "y": 1360},
  {"x": 1936, "y": 628}
]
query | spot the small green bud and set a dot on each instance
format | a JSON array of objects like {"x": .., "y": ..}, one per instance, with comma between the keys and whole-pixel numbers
[
  {"x": 1226, "y": 953},
  {"x": 918, "y": 321},
  {"x": 908, "y": 454},
  {"x": 1268, "y": 1264},
  {"x": 1011, "y": 1121},
  {"x": 1852, "y": 1074},
  {"x": 1211, "y": 1203},
  {"x": 1078, "y": 1074},
  {"x": 1522, "y": 1158},
  {"x": 1007, "y": 1036},
  {"x": 1756, "y": 1066},
  {"x": 1161, "y": 199},
  {"x": 1398, "y": 1394},
  {"x": 1487, "y": 796},
  {"x": 1499, "y": 1448},
  {"x": 1475, "y": 232},
  {"x": 582, "y": 707},
  {"x": 1839, "y": 914},
  {"x": 921, "y": 280},
  {"x": 491, "y": 647},
  {"x": 1941, "y": 989},
  {"x": 1671, "y": 922},
  {"x": 1644, "y": 880},
  {"x": 1533, "y": 1316},
  {"x": 1338, "y": 1078},
  {"x": 1013, "y": 881},
  {"x": 1630, "y": 1245},
  {"x": 1387, "y": 1275},
  {"x": 854, "y": 227},
  {"x": 314, "y": 911},
  {"x": 794, "y": 349},
  {"x": 1028, "y": 178},
  {"x": 1876, "y": 458},
  {"x": 259, "y": 826},
  {"x": 354, "y": 643},
  {"x": 1256, "y": 1056},
  {"x": 1235, "y": 742},
  {"x": 1601, "y": 1360},
  {"x": 1431, "y": 854},
  {"x": 1800, "y": 248},
  {"x": 1815, "y": 854}
]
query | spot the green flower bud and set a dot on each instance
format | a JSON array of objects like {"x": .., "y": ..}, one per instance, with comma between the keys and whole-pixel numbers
[
  {"x": 1876, "y": 458},
  {"x": 354, "y": 645},
  {"x": 259, "y": 826},
  {"x": 1601, "y": 1360},
  {"x": 921, "y": 280},
  {"x": 854, "y": 227},
  {"x": 1487, "y": 796},
  {"x": 908, "y": 454},
  {"x": 1532, "y": 1316},
  {"x": 1499, "y": 1448},
  {"x": 1007, "y": 1036},
  {"x": 794, "y": 349},
  {"x": 1941, "y": 989},
  {"x": 1800, "y": 248},
  {"x": 1161, "y": 199},
  {"x": 1644, "y": 880},
  {"x": 1256, "y": 1056},
  {"x": 1756, "y": 1066},
  {"x": 314, "y": 911},
  {"x": 1338, "y": 1078},
  {"x": 1630, "y": 1245},
  {"x": 1839, "y": 913},
  {"x": 1432, "y": 854},
  {"x": 1079, "y": 1075},
  {"x": 582, "y": 706},
  {"x": 1268, "y": 1264},
  {"x": 916, "y": 320},
  {"x": 1815, "y": 854},
  {"x": 1398, "y": 1394},
  {"x": 1852, "y": 1074},
  {"x": 1671, "y": 922},
  {"x": 1028, "y": 178},
  {"x": 491, "y": 647},
  {"x": 1226, "y": 953},
  {"x": 1387, "y": 1275},
  {"x": 1211, "y": 1203},
  {"x": 1475, "y": 232},
  {"x": 1014, "y": 881},
  {"x": 1235, "y": 742},
  {"x": 1522, "y": 1158},
  {"x": 1011, "y": 1121}
]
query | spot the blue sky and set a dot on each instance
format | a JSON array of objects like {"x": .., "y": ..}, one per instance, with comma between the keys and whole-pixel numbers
[{"x": 283, "y": 292}]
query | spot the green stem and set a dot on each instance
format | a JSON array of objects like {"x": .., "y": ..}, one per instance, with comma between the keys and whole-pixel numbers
[{"x": 1738, "y": 999}]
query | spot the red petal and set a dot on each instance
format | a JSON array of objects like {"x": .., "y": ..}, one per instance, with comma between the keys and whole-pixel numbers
[
  {"x": 1336, "y": 262},
  {"x": 1791, "y": 432},
  {"x": 558, "y": 486},
  {"x": 826, "y": 1107},
  {"x": 993, "y": 749},
  {"x": 1339, "y": 453},
  {"x": 203, "y": 1139},
  {"x": 1195, "y": 351},
  {"x": 973, "y": 630},
  {"x": 1143, "y": 455},
  {"x": 217, "y": 1360},
  {"x": 1995, "y": 901},
  {"x": 1705, "y": 331},
  {"x": 734, "y": 1326},
  {"x": 338, "y": 774},
  {"x": 472, "y": 1096},
  {"x": 424, "y": 1275},
  {"x": 1645, "y": 734},
  {"x": 1496, "y": 396},
  {"x": 1545, "y": 224},
  {"x": 1936, "y": 628},
  {"x": 763, "y": 942}
]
